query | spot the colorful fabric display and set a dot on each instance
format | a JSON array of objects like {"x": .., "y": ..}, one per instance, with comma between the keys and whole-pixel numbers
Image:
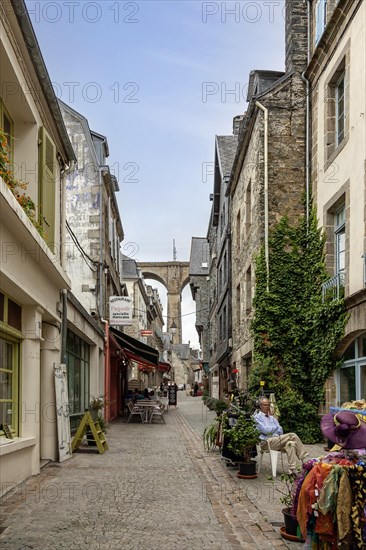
[{"x": 330, "y": 502}]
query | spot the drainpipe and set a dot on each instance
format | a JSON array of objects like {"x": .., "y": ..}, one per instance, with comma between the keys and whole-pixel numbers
[
  {"x": 63, "y": 325},
  {"x": 107, "y": 373},
  {"x": 307, "y": 125},
  {"x": 266, "y": 247}
]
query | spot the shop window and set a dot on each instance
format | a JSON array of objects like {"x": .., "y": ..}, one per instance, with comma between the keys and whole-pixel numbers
[
  {"x": 78, "y": 373},
  {"x": 350, "y": 352},
  {"x": 6, "y": 124},
  {"x": 14, "y": 315},
  {"x": 10, "y": 315},
  {"x": 347, "y": 384},
  {"x": 352, "y": 374},
  {"x": 363, "y": 380},
  {"x": 9, "y": 370}
]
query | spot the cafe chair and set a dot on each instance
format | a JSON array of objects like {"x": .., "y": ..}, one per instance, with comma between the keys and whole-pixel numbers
[
  {"x": 135, "y": 411},
  {"x": 158, "y": 411},
  {"x": 273, "y": 458}
]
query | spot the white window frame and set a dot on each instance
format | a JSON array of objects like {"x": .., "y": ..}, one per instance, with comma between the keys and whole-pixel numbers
[
  {"x": 320, "y": 19},
  {"x": 340, "y": 113},
  {"x": 357, "y": 362},
  {"x": 339, "y": 232}
]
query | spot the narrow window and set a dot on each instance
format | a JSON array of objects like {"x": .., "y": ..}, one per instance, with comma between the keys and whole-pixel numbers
[
  {"x": 238, "y": 231},
  {"x": 320, "y": 18},
  {"x": 340, "y": 242},
  {"x": 248, "y": 207},
  {"x": 238, "y": 305},
  {"x": 339, "y": 110},
  {"x": 224, "y": 324},
  {"x": 248, "y": 281}
]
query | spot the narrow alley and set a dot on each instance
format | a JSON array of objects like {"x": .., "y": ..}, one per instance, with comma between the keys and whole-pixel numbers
[{"x": 154, "y": 488}]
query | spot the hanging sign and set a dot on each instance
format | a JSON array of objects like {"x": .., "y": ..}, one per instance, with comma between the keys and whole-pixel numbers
[
  {"x": 120, "y": 310},
  {"x": 146, "y": 332}
]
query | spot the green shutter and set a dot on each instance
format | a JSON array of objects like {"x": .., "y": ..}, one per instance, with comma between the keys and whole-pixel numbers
[{"x": 47, "y": 186}]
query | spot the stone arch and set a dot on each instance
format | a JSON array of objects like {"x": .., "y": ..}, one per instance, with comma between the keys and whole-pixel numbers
[
  {"x": 346, "y": 341},
  {"x": 174, "y": 276}
]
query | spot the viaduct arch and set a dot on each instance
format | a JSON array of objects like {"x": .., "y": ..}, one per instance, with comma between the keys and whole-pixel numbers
[{"x": 174, "y": 276}]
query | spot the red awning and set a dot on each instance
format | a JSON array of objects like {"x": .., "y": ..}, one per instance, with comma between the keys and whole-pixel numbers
[
  {"x": 142, "y": 363},
  {"x": 164, "y": 367},
  {"x": 145, "y": 356}
]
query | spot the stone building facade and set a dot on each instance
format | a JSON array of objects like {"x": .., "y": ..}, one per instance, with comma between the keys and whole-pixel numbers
[
  {"x": 93, "y": 263},
  {"x": 94, "y": 228},
  {"x": 147, "y": 314},
  {"x": 268, "y": 176},
  {"x": 225, "y": 149},
  {"x": 199, "y": 283},
  {"x": 337, "y": 82},
  {"x": 38, "y": 312}
]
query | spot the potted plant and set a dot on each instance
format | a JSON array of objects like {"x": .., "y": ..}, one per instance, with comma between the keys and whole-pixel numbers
[
  {"x": 211, "y": 434},
  {"x": 290, "y": 530},
  {"x": 96, "y": 405},
  {"x": 243, "y": 436}
]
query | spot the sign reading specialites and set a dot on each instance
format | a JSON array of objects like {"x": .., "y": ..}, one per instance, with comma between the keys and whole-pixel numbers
[
  {"x": 120, "y": 310},
  {"x": 172, "y": 394}
]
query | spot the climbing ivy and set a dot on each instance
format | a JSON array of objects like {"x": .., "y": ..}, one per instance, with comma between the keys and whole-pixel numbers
[{"x": 295, "y": 332}]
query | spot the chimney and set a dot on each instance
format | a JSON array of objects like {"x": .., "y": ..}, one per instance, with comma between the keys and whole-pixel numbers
[
  {"x": 296, "y": 35},
  {"x": 236, "y": 124}
]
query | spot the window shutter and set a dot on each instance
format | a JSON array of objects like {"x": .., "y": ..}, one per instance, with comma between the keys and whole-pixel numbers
[{"x": 47, "y": 186}]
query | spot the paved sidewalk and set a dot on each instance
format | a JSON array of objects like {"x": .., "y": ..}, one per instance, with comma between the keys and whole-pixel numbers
[
  {"x": 261, "y": 492},
  {"x": 156, "y": 488}
]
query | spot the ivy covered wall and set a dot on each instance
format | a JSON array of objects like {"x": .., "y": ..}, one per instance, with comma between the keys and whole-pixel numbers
[{"x": 295, "y": 332}]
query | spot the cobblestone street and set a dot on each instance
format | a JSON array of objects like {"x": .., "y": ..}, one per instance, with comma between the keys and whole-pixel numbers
[{"x": 154, "y": 488}]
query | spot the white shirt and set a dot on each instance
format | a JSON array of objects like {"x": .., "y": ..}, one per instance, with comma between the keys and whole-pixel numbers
[{"x": 267, "y": 425}]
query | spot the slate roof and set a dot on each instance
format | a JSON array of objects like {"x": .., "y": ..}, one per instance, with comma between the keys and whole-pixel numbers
[
  {"x": 200, "y": 254},
  {"x": 226, "y": 150},
  {"x": 129, "y": 267}
]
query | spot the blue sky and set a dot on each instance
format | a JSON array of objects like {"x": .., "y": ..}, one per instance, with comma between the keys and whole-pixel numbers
[{"x": 155, "y": 78}]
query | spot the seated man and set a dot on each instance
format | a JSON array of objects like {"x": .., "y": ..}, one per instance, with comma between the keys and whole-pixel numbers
[{"x": 271, "y": 432}]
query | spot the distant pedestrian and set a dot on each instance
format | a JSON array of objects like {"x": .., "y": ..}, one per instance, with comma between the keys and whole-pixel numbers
[{"x": 195, "y": 389}]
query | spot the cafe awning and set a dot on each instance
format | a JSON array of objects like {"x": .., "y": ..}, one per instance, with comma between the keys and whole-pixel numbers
[
  {"x": 164, "y": 367},
  {"x": 136, "y": 350}
]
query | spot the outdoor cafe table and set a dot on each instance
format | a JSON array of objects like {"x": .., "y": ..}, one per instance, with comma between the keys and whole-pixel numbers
[{"x": 147, "y": 408}]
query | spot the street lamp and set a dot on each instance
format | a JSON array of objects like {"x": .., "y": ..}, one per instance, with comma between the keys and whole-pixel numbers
[{"x": 173, "y": 328}]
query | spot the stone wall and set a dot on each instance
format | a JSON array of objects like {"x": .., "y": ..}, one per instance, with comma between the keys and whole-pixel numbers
[{"x": 286, "y": 184}]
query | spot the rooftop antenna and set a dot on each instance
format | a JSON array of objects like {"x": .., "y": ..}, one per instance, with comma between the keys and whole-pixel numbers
[{"x": 174, "y": 252}]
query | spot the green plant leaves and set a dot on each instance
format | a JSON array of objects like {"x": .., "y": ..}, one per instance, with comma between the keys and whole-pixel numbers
[{"x": 295, "y": 333}]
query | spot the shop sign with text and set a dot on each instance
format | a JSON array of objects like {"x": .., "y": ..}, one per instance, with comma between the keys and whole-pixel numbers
[{"x": 120, "y": 310}]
